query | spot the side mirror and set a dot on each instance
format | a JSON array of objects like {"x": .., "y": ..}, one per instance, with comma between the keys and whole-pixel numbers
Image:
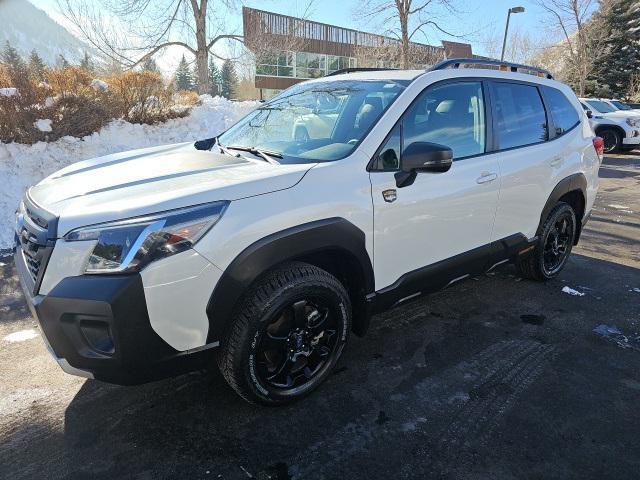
[
  {"x": 589, "y": 114},
  {"x": 423, "y": 157}
]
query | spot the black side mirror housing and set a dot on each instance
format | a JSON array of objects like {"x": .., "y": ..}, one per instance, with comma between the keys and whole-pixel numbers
[
  {"x": 423, "y": 157},
  {"x": 589, "y": 114},
  {"x": 205, "y": 144}
]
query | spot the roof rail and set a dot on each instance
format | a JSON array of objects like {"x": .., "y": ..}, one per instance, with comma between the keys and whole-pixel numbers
[
  {"x": 357, "y": 69},
  {"x": 497, "y": 64}
]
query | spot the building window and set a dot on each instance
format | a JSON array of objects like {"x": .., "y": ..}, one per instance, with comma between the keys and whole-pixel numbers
[
  {"x": 269, "y": 93},
  {"x": 337, "y": 63},
  {"x": 310, "y": 65},
  {"x": 277, "y": 64},
  {"x": 301, "y": 64}
]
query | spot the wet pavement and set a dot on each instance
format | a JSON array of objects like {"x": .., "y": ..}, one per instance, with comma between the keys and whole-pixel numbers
[{"x": 495, "y": 377}]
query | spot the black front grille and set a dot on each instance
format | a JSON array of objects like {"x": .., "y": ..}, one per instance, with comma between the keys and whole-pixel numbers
[
  {"x": 33, "y": 253},
  {"x": 35, "y": 237}
]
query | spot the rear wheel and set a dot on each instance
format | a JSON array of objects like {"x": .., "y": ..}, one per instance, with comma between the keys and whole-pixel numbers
[
  {"x": 287, "y": 336},
  {"x": 554, "y": 245},
  {"x": 612, "y": 140}
]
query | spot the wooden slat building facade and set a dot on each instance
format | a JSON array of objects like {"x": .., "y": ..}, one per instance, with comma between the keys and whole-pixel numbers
[{"x": 265, "y": 32}]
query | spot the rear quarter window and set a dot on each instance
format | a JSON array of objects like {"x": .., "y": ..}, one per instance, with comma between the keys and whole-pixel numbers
[{"x": 563, "y": 113}]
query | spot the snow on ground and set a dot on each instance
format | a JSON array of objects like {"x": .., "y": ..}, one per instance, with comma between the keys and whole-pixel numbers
[
  {"x": 21, "y": 336},
  {"x": 571, "y": 291},
  {"x": 24, "y": 165}
]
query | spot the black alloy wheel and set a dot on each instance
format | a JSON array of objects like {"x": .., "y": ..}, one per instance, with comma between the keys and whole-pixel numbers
[
  {"x": 611, "y": 140},
  {"x": 553, "y": 246},
  {"x": 297, "y": 344},
  {"x": 287, "y": 335},
  {"x": 558, "y": 242}
]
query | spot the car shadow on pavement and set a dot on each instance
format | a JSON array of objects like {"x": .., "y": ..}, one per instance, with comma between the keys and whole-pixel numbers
[
  {"x": 621, "y": 166},
  {"x": 195, "y": 423}
]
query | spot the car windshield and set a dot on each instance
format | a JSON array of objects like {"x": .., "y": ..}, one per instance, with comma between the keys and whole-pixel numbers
[
  {"x": 318, "y": 121},
  {"x": 620, "y": 105},
  {"x": 600, "y": 107}
]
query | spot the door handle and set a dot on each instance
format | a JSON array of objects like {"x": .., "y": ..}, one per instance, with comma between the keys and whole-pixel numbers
[
  {"x": 556, "y": 161},
  {"x": 486, "y": 177}
]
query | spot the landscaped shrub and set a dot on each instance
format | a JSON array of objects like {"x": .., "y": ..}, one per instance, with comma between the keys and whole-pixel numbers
[
  {"x": 22, "y": 103},
  {"x": 78, "y": 117},
  {"x": 141, "y": 97},
  {"x": 78, "y": 104}
]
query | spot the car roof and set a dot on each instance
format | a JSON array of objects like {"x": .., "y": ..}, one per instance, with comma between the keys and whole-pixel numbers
[
  {"x": 376, "y": 75},
  {"x": 410, "y": 75},
  {"x": 477, "y": 66}
]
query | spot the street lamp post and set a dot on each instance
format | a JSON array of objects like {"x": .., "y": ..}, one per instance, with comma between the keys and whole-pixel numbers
[{"x": 506, "y": 28}]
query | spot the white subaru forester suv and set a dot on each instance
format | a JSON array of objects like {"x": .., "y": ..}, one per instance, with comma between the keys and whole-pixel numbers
[{"x": 263, "y": 252}]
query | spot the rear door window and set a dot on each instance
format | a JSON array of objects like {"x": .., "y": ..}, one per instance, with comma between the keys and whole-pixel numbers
[
  {"x": 520, "y": 115},
  {"x": 564, "y": 115}
]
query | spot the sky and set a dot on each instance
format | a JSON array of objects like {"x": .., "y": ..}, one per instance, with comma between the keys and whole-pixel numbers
[{"x": 477, "y": 22}]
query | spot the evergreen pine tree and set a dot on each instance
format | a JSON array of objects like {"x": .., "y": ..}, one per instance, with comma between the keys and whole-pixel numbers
[
  {"x": 184, "y": 76},
  {"x": 621, "y": 24},
  {"x": 215, "y": 79},
  {"x": 229, "y": 79},
  {"x": 36, "y": 65},
  {"x": 194, "y": 78},
  {"x": 12, "y": 58},
  {"x": 62, "y": 62},
  {"x": 86, "y": 62},
  {"x": 150, "y": 65}
]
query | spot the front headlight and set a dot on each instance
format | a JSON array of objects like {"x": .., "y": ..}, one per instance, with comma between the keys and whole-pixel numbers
[
  {"x": 633, "y": 122},
  {"x": 129, "y": 245}
]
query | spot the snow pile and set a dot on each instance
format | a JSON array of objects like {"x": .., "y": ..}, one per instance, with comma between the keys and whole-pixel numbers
[
  {"x": 99, "y": 85},
  {"x": 24, "y": 165},
  {"x": 43, "y": 124},
  {"x": 8, "y": 91}
]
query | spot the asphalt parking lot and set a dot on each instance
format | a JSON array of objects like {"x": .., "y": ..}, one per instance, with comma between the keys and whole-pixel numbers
[{"x": 495, "y": 377}]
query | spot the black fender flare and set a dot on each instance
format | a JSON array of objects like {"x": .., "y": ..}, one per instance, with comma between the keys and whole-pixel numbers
[
  {"x": 574, "y": 182},
  {"x": 286, "y": 245}
]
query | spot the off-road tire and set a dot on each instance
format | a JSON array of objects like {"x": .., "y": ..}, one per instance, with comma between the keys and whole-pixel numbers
[
  {"x": 270, "y": 294},
  {"x": 530, "y": 265}
]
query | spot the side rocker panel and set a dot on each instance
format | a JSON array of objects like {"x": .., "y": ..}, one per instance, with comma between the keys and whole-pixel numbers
[{"x": 290, "y": 244}]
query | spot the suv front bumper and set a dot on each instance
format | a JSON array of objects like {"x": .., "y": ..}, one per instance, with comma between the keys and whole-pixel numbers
[
  {"x": 98, "y": 327},
  {"x": 632, "y": 138}
]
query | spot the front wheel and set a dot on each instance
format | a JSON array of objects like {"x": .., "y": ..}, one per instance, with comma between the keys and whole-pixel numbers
[
  {"x": 554, "y": 245},
  {"x": 612, "y": 140},
  {"x": 287, "y": 335}
]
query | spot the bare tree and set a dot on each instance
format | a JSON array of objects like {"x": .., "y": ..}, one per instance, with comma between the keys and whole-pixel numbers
[
  {"x": 633, "y": 93},
  {"x": 387, "y": 52},
  {"x": 580, "y": 46},
  {"x": 404, "y": 19},
  {"x": 521, "y": 47},
  {"x": 132, "y": 31}
]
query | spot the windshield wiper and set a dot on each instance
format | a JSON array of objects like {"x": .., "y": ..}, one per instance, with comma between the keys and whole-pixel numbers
[
  {"x": 225, "y": 150},
  {"x": 267, "y": 155}
]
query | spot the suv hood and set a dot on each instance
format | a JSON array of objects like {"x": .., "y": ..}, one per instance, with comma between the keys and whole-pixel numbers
[
  {"x": 156, "y": 179},
  {"x": 620, "y": 115}
]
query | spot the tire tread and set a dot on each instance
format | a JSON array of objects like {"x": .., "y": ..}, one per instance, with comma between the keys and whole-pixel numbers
[{"x": 230, "y": 357}]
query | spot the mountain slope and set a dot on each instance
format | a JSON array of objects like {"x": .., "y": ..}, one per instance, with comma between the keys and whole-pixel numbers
[{"x": 27, "y": 27}]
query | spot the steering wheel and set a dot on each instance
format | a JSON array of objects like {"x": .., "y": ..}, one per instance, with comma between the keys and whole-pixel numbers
[{"x": 353, "y": 141}]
